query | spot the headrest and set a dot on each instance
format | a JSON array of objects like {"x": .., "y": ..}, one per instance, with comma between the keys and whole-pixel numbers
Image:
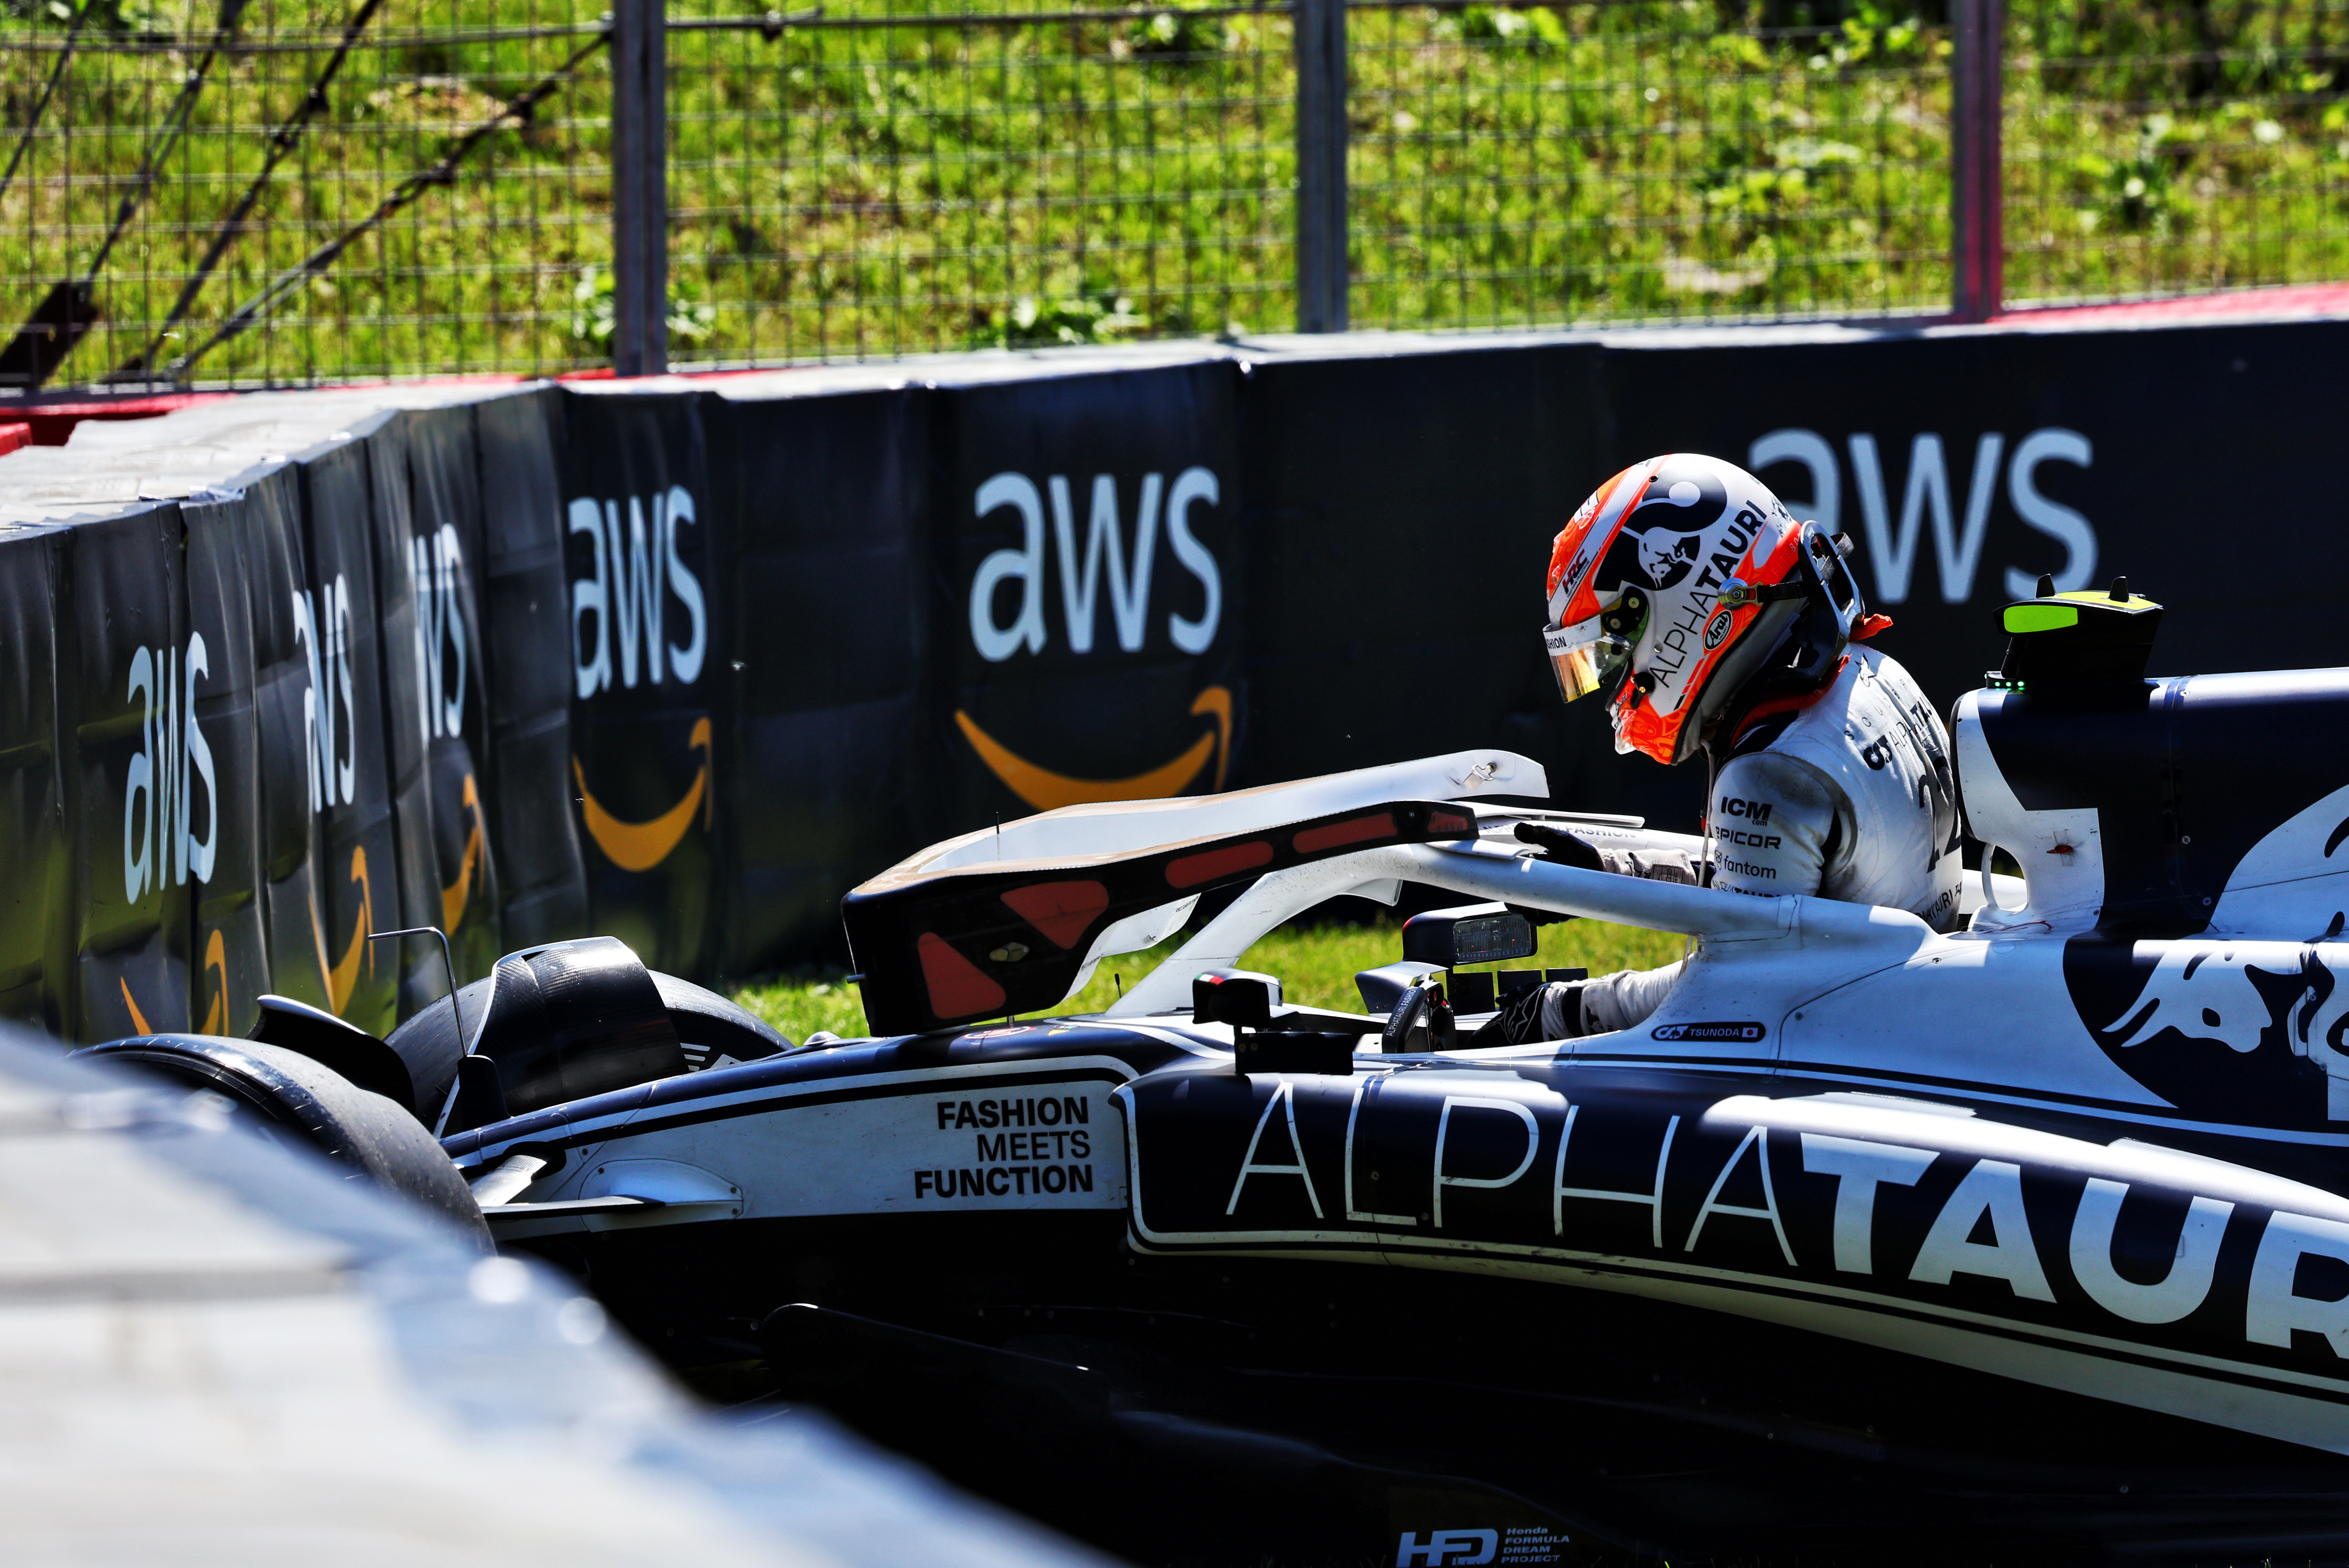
[{"x": 574, "y": 1019}]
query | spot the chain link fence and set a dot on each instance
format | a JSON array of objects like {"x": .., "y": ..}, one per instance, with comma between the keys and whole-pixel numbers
[
  {"x": 1636, "y": 163},
  {"x": 280, "y": 191},
  {"x": 871, "y": 181},
  {"x": 2157, "y": 147},
  {"x": 252, "y": 191}
]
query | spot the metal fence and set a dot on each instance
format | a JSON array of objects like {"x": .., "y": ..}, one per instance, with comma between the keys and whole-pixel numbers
[
  {"x": 246, "y": 191},
  {"x": 2154, "y": 148}
]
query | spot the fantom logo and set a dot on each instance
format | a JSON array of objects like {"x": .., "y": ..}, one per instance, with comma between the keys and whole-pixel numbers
[
  {"x": 621, "y": 628},
  {"x": 1081, "y": 576}
]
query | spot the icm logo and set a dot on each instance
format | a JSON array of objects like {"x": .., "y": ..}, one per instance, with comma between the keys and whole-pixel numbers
[
  {"x": 1103, "y": 561},
  {"x": 1448, "y": 1549},
  {"x": 1960, "y": 518},
  {"x": 637, "y": 573},
  {"x": 160, "y": 844}
]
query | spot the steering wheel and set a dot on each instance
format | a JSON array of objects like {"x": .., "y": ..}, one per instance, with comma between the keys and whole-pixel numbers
[{"x": 1421, "y": 1023}]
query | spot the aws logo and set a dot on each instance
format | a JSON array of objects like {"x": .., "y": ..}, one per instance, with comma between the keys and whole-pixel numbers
[
  {"x": 1959, "y": 517},
  {"x": 436, "y": 565},
  {"x": 637, "y": 573},
  {"x": 160, "y": 847},
  {"x": 330, "y": 725},
  {"x": 329, "y": 721},
  {"x": 623, "y": 609},
  {"x": 1100, "y": 572}
]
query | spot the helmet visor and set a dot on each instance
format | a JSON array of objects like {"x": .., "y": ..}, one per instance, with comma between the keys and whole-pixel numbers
[{"x": 1587, "y": 656}]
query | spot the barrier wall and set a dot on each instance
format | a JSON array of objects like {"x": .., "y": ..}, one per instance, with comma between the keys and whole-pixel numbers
[{"x": 683, "y": 660}]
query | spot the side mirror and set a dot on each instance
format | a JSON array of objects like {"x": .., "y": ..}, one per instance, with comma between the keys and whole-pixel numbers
[{"x": 1473, "y": 933}]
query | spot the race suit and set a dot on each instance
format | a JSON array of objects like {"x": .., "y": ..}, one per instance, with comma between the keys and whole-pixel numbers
[{"x": 1852, "y": 798}]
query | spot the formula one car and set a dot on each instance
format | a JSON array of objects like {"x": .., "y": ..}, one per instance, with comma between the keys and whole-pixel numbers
[{"x": 2028, "y": 1239}]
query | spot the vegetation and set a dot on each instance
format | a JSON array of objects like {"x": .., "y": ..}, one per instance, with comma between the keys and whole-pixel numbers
[
  {"x": 1316, "y": 965},
  {"x": 840, "y": 188}
]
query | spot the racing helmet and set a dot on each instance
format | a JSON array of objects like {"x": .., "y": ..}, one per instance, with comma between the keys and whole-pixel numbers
[{"x": 1683, "y": 593}]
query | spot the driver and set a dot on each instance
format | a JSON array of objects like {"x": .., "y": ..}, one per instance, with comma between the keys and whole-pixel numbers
[{"x": 1685, "y": 597}]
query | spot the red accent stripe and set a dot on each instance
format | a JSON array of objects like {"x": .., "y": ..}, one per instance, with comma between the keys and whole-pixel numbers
[
  {"x": 1210, "y": 864},
  {"x": 959, "y": 988},
  {"x": 1447, "y": 822},
  {"x": 1778, "y": 705},
  {"x": 1062, "y": 910},
  {"x": 1313, "y": 840}
]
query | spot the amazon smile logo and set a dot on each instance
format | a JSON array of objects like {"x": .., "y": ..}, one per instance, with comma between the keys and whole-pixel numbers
[
  {"x": 1013, "y": 588},
  {"x": 640, "y": 615}
]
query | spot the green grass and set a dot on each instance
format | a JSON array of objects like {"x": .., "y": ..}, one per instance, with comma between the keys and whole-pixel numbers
[
  {"x": 838, "y": 191},
  {"x": 1316, "y": 966}
]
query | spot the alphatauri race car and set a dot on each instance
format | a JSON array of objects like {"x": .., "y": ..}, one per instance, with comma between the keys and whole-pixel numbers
[{"x": 2028, "y": 1239}]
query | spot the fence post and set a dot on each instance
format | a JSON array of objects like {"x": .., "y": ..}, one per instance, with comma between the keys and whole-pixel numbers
[
  {"x": 639, "y": 188},
  {"x": 1977, "y": 196},
  {"x": 1321, "y": 43}
]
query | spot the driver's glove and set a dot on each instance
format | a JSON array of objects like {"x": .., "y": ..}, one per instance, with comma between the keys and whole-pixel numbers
[{"x": 1548, "y": 1012}]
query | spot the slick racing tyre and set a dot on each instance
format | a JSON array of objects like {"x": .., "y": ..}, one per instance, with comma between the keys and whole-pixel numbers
[{"x": 290, "y": 1098}]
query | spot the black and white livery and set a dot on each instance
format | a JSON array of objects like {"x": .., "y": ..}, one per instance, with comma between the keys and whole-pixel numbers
[{"x": 2034, "y": 1231}]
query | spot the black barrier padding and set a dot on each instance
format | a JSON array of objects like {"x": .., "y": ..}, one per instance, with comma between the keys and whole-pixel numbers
[
  {"x": 2184, "y": 455},
  {"x": 36, "y": 865},
  {"x": 358, "y": 862},
  {"x": 407, "y": 733},
  {"x": 827, "y": 498},
  {"x": 230, "y": 945},
  {"x": 277, "y": 577},
  {"x": 526, "y": 607},
  {"x": 1400, "y": 514},
  {"x": 445, "y": 486},
  {"x": 133, "y": 757},
  {"x": 649, "y": 653},
  {"x": 1043, "y": 698}
]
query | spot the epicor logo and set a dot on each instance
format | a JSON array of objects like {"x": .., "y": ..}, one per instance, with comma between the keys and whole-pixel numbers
[
  {"x": 160, "y": 844},
  {"x": 1081, "y": 576},
  {"x": 1448, "y": 1549},
  {"x": 637, "y": 572},
  {"x": 1957, "y": 550}
]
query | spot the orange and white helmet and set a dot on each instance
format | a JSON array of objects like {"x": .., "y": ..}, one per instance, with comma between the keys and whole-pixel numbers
[{"x": 1682, "y": 588}]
